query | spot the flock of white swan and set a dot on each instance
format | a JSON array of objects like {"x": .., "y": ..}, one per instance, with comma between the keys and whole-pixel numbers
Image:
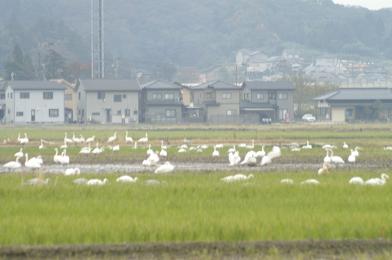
[{"x": 154, "y": 158}]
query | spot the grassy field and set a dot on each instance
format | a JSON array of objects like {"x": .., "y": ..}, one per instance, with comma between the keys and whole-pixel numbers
[{"x": 194, "y": 207}]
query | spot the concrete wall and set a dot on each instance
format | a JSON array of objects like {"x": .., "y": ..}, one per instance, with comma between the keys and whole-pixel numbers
[{"x": 37, "y": 103}]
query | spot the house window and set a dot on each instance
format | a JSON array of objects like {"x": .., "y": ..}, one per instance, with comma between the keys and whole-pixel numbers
[
  {"x": 53, "y": 113},
  {"x": 79, "y": 95},
  {"x": 11, "y": 95},
  {"x": 226, "y": 95},
  {"x": 2, "y": 96},
  {"x": 124, "y": 96},
  {"x": 18, "y": 114},
  {"x": 101, "y": 95},
  {"x": 119, "y": 112},
  {"x": 282, "y": 96},
  {"x": 117, "y": 98},
  {"x": 135, "y": 112},
  {"x": 96, "y": 114},
  {"x": 156, "y": 96},
  {"x": 68, "y": 97},
  {"x": 23, "y": 95},
  {"x": 259, "y": 96},
  {"x": 229, "y": 113},
  {"x": 272, "y": 95},
  {"x": 170, "y": 113},
  {"x": 127, "y": 112},
  {"x": 169, "y": 96},
  {"x": 48, "y": 95}
]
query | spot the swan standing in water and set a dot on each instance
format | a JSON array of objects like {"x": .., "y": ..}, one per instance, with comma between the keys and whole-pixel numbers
[
  {"x": 19, "y": 154},
  {"x": 12, "y": 165},
  {"x": 215, "y": 153}
]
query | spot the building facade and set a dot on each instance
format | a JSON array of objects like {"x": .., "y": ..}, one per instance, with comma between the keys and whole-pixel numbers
[
  {"x": 267, "y": 101},
  {"x": 34, "y": 102},
  {"x": 355, "y": 105},
  {"x": 108, "y": 101},
  {"x": 2, "y": 102},
  {"x": 162, "y": 103}
]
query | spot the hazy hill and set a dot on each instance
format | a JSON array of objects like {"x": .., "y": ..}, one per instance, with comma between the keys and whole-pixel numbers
[{"x": 201, "y": 33}]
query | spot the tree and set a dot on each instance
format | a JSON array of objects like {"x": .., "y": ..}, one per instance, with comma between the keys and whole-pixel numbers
[
  {"x": 20, "y": 65},
  {"x": 54, "y": 65}
]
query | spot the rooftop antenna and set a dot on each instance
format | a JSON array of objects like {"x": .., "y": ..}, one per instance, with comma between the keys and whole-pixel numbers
[{"x": 97, "y": 40}]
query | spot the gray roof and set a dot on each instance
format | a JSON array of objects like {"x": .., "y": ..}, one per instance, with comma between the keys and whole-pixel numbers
[
  {"x": 34, "y": 85},
  {"x": 217, "y": 85},
  {"x": 110, "y": 85},
  {"x": 269, "y": 85},
  {"x": 161, "y": 85},
  {"x": 358, "y": 94}
]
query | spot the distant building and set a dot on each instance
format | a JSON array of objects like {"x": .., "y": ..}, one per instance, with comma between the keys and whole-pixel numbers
[
  {"x": 108, "y": 101},
  {"x": 356, "y": 104},
  {"x": 161, "y": 102},
  {"x": 213, "y": 102},
  {"x": 264, "y": 101},
  {"x": 34, "y": 102}
]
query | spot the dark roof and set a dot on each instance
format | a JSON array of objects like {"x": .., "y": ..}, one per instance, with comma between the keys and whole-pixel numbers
[
  {"x": 217, "y": 85},
  {"x": 357, "y": 94},
  {"x": 161, "y": 85},
  {"x": 35, "y": 85},
  {"x": 246, "y": 104},
  {"x": 110, "y": 85},
  {"x": 269, "y": 85}
]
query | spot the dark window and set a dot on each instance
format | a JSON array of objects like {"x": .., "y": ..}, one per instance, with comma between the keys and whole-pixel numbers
[
  {"x": 11, "y": 95},
  {"x": 48, "y": 95},
  {"x": 127, "y": 112},
  {"x": 23, "y": 95},
  {"x": 272, "y": 95},
  {"x": 101, "y": 95},
  {"x": 53, "y": 113},
  {"x": 135, "y": 112},
  {"x": 19, "y": 114},
  {"x": 2, "y": 96},
  {"x": 96, "y": 114},
  {"x": 119, "y": 112},
  {"x": 79, "y": 95},
  {"x": 117, "y": 98},
  {"x": 124, "y": 96}
]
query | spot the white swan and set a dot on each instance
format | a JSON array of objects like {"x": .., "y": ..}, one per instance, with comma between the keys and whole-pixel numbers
[
  {"x": 56, "y": 157},
  {"x": 356, "y": 181},
  {"x": 260, "y": 154},
  {"x": 324, "y": 169},
  {"x": 13, "y": 164},
  {"x": 64, "y": 158},
  {"x": 41, "y": 146},
  {"x": 250, "y": 159},
  {"x": 85, "y": 150},
  {"x": 126, "y": 179},
  {"x": 67, "y": 140},
  {"x": 116, "y": 148},
  {"x": 163, "y": 153},
  {"x": 165, "y": 168},
  {"x": 345, "y": 146},
  {"x": 215, "y": 153},
  {"x": 90, "y": 139},
  {"x": 237, "y": 177},
  {"x": 234, "y": 158},
  {"x": 33, "y": 163},
  {"x": 352, "y": 157},
  {"x": 97, "y": 182},
  {"x": 24, "y": 140},
  {"x": 378, "y": 181},
  {"x": 308, "y": 146},
  {"x": 128, "y": 139},
  {"x": 80, "y": 181},
  {"x": 336, "y": 159},
  {"x": 97, "y": 149},
  {"x": 287, "y": 181},
  {"x": 266, "y": 160},
  {"x": 310, "y": 182},
  {"x": 112, "y": 138},
  {"x": 19, "y": 154},
  {"x": 144, "y": 139},
  {"x": 275, "y": 153},
  {"x": 72, "y": 172}
]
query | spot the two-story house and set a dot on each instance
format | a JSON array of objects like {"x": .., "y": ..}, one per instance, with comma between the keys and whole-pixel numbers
[
  {"x": 267, "y": 100},
  {"x": 215, "y": 102},
  {"x": 108, "y": 101},
  {"x": 34, "y": 102},
  {"x": 162, "y": 102}
]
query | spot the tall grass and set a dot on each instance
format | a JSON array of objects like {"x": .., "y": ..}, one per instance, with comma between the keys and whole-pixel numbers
[{"x": 193, "y": 207}]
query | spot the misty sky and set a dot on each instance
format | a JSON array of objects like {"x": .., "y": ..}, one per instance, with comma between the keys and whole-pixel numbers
[{"x": 371, "y": 4}]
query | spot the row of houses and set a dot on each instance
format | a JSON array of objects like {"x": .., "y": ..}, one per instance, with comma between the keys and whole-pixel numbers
[{"x": 128, "y": 102}]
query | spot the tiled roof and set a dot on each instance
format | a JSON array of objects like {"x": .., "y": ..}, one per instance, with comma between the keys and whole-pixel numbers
[
  {"x": 34, "y": 85},
  {"x": 358, "y": 94},
  {"x": 161, "y": 85}
]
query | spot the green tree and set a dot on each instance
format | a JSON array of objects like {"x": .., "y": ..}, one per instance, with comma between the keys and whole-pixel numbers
[
  {"x": 20, "y": 65},
  {"x": 54, "y": 65}
]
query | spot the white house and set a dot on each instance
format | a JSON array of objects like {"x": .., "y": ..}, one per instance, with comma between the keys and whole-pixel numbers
[{"x": 34, "y": 102}]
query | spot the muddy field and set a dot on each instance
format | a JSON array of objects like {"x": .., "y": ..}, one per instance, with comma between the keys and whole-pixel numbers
[{"x": 361, "y": 249}]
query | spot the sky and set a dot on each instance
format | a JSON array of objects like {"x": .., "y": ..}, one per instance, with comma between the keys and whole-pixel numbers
[{"x": 371, "y": 4}]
